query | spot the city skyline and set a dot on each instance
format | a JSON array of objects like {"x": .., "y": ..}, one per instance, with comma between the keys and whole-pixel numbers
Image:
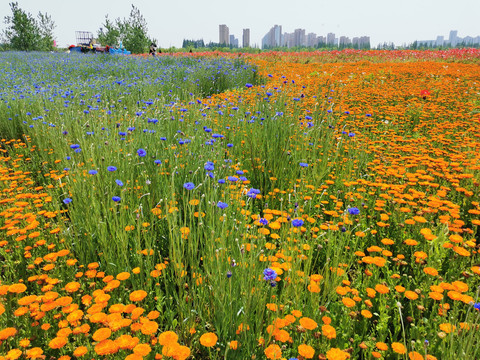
[{"x": 171, "y": 22}]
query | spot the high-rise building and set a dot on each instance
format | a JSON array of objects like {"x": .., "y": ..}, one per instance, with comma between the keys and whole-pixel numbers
[
  {"x": 299, "y": 37},
  {"x": 224, "y": 37},
  {"x": 233, "y": 41},
  {"x": 330, "y": 39},
  {"x": 273, "y": 38},
  {"x": 246, "y": 38},
  {"x": 452, "y": 39}
]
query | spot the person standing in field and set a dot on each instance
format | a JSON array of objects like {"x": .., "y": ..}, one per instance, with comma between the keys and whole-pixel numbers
[{"x": 153, "y": 49}]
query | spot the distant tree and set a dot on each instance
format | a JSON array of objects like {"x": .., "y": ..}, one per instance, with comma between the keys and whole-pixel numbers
[
  {"x": 46, "y": 27},
  {"x": 22, "y": 32},
  {"x": 25, "y": 33},
  {"x": 111, "y": 35},
  {"x": 132, "y": 32}
]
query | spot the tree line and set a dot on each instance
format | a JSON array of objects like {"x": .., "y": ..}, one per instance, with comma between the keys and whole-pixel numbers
[{"x": 24, "y": 32}]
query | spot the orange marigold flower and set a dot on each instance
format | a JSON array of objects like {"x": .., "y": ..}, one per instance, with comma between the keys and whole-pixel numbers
[
  {"x": 447, "y": 327},
  {"x": 411, "y": 295},
  {"x": 80, "y": 351},
  {"x": 138, "y": 295},
  {"x": 35, "y": 353},
  {"x": 273, "y": 352},
  {"x": 233, "y": 345},
  {"x": 58, "y": 342},
  {"x": 14, "y": 354},
  {"x": 398, "y": 348},
  {"x": 167, "y": 338},
  {"x": 72, "y": 286},
  {"x": 308, "y": 323},
  {"x": 182, "y": 353},
  {"x": 381, "y": 346},
  {"x": 101, "y": 334},
  {"x": 17, "y": 288},
  {"x": 134, "y": 357},
  {"x": 123, "y": 276},
  {"x": 306, "y": 351},
  {"x": 208, "y": 339},
  {"x": 142, "y": 349},
  {"x": 149, "y": 328},
  {"x": 106, "y": 347},
  {"x": 337, "y": 354},
  {"x": 413, "y": 355},
  {"x": 348, "y": 302},
  {"x": 329, "y": 332}
]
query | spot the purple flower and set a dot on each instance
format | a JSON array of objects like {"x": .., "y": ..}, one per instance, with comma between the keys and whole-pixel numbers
[
  {"x": 297, "y": 222},
  {"x": 353, "y": 211},
  {"x": 189, "y": 186},
  {"x": 222, "y": 205},
  {"x": 269, "y": 274}
]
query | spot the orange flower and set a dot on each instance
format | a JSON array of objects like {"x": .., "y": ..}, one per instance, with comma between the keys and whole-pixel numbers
[
  {"x": 398, "y": 348},
  {"x": 35, "y": 353},
  {"x": 80, "y": 351},
  {"x": 411, "y": 295},
  {"x": 138, "y": 295},
  {"x": 17, "y": 288},
  {"x": 273, "y": 352},
  {"x": 72, "y": 286},
  {"x": 142, "y": 349},
  {"x": 208, "y": 339},
  {"x": 14, "y": 354},
  {"x": 233, "y": 345},
  {"x": 348, "y": 302},
  {"x": 149, "y": 328},
  {"x": 58, "y": 342},
  {"x": 106, "y": 347},
  {"x": 413, "y": 355},
  {"x": 306, "y": 351},
  {"x": 308, "y": 323},
  {"x": 337, "y": 354},
  {"x": 167, "y": 338},
  {"x": 101, "y": 334},
  {"x": 329, "y": 332}
]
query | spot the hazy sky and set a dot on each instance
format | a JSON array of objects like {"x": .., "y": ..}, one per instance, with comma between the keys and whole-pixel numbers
[{"x": 171, "y": 21}]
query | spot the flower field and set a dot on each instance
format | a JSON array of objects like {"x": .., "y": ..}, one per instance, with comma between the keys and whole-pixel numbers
[{"x": 228, "y": 206}]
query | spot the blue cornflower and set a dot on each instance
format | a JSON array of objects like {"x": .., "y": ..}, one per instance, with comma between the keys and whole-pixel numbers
[
  {"x": 269, "y": 274},
  {"x": 477, "y": 306},
  {"x": 189, "y": 186},
  {"x": 209, "y": 166},
  {"x": 93, "y": 172},
  {"x": 248, "y": 85},
  {"x": 353, "y": 211},
  {"x": 229, "y": 145},
  {"x": 302, "y": 164},
  {"x": 111, "y": 168},
  {"x": 222, "y": 205},
  {"x": 116, "y": 198},
  {"x": 74, "y": 146},
  {"x": 297, "y": 222},
  {"x": 232, "y": 178},
  {"x": 221, "y": 181},
  {"x": 141, "y": 152},
  {"x": 263, "y": 221},
  {"x": 119, "y": 182},
  {"x": 67, "y": 201},
  {"x": 351, "y": 134},
  {"x": 157, "y": 162}
]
